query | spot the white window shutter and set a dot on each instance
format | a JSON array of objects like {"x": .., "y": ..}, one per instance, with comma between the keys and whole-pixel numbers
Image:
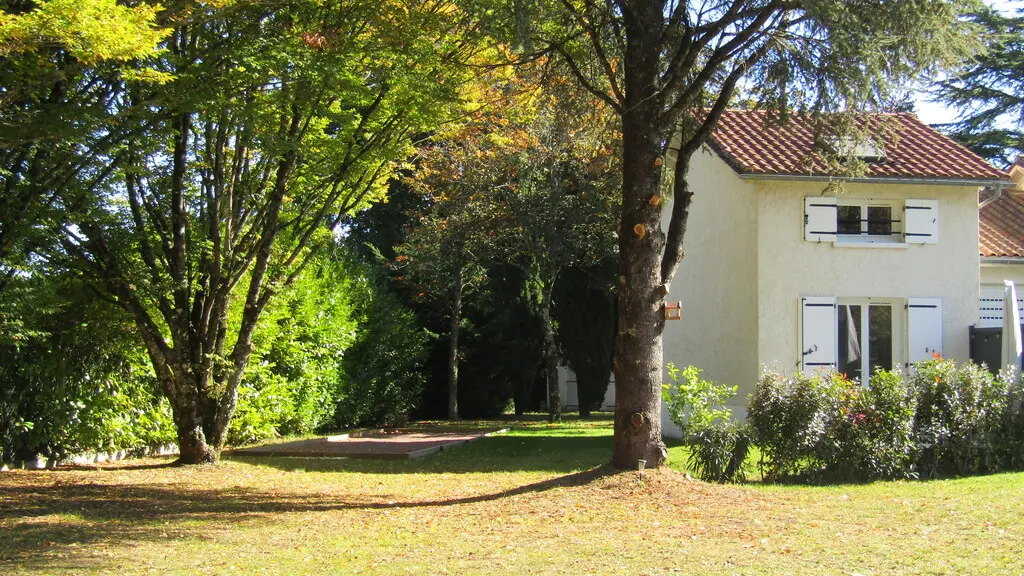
[
  {"x": 818, "y": 342},
  {"x": 924, "y": 328},
  {"x": 921, "y": 221},
  {"x": 820, "y": 219}
]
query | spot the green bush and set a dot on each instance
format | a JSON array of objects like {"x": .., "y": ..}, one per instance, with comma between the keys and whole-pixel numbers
[
  {"x": 717, "y": 445},
  {"x": 789, "y": 419},
  {"x": 941, "y": 419},
  {"x": 292, "y": 383},
  {"x": 964, "y": 421},
  {"x": 873, "y": 435},
  {"x": 333, "y": 349},
  {"x": 383, "y": 375},
  {"x": 1010, "y": 443},
  {"x": 337, "y": 350},
  {"x": 72, "y": 378}
]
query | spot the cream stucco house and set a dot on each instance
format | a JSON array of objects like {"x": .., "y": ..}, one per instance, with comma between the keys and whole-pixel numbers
[{"x": 785, "y": 269}]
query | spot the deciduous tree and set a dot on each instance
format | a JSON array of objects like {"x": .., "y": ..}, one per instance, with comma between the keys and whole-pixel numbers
[
  {"x": 529, "y": 182},
  {"x": 561, "y": 211},
  {"x": 280, "y": 119},
  {"x": 445, "y": 253},
  {"x": 52, "y": 57}
]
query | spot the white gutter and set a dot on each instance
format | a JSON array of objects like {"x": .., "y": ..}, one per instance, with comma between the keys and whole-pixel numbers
[{"x": 1002, "y": 260}]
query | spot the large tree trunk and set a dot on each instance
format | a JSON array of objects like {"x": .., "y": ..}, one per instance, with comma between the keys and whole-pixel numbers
[
  {"x": 200, "y": 434},
  {"x": 453, "y": 346},
  {"x": 638, "y": 343},
  {"x": 193, "y": 447},
  {"x": 203, "y": 395}
]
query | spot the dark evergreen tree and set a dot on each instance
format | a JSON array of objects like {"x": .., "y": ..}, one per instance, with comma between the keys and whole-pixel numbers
[
  {"x": 668, "y": 69},
  {"x": 989, "y": 92},
  {"x": 586, "y": 317},
  {"x": 374, "y": 232}
]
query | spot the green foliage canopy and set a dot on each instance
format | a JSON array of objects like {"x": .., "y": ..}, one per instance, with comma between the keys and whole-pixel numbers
[
  {"x": 90, "y": 30},
  {"x": 219, "y": 185}
]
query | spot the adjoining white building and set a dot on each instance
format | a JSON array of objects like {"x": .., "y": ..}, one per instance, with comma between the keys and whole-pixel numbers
[
  {"x": 1001, "y": 245},
  {"x": 785, "y": 270}
]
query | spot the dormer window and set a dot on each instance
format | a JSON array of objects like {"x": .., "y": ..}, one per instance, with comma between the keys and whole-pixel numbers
[{"x": 862, "y": 148}]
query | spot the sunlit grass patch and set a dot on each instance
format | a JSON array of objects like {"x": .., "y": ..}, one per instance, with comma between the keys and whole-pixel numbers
[{"x": 537, "y": 500}]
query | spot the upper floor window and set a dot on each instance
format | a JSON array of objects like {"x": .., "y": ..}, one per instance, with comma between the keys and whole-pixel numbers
[
  {"x": 867, "y": 221},
  {"x": 856, "y": 221}
]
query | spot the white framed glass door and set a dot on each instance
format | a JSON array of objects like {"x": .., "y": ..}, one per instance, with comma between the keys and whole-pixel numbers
[{"x": 865, "y": 333}]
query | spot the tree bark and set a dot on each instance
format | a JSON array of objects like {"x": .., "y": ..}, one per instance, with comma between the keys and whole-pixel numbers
[
  {"x": 584, "y": 404},
  {"x": 193, "y": 447},
  {"x": 638, "y": 343},
  {"x": 453, "y": 346},
  {"x": 550, "y": 357}
]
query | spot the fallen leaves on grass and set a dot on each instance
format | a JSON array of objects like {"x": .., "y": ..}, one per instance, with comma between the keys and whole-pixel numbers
[{"x": 509, "y": 515}]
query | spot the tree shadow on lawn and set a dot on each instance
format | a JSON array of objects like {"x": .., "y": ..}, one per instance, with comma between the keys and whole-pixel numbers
[
  {"x": 500, "y": 453},
  {"x": 43, "y": 519}
]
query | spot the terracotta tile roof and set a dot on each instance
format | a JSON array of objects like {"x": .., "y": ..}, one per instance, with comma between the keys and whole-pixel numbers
[
  {"x": 1017, "y": 173},
  {"x": 1001, "y": 227},
  {"x": 750, "y": 146}
]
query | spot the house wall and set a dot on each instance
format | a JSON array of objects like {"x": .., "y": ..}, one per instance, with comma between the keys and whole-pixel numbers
[
  {"x": 569, "y": 393},
  {"x": 747, "y": 265},
  {"x": 994, "y": 274},
  {"x": 716, "y": 281},
  {"x": 791, "y": 267}
]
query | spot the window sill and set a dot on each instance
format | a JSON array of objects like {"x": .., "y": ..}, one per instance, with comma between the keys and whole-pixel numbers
[{"x": 851, "y": 243}]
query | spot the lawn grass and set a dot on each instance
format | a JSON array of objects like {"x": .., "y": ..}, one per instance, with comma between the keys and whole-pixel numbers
[{"x": 534, "y": 501}]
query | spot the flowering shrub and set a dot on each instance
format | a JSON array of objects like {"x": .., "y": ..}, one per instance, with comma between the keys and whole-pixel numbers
[
  {"x": 798, "y": 422},
  {"x": 873, "y": 438},
  {"x": 965, "y": 421},
  {"x": 940, "y": 419}
]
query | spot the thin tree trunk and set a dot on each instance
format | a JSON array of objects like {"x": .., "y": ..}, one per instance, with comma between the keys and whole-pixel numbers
[
  {"x": 554, "y": 395},
  {"x": 453, "y": 347},
  {"x": 638, "y": 343},
  {"x": 583, "y": 400},
  {"x": 550, "y": 358}
]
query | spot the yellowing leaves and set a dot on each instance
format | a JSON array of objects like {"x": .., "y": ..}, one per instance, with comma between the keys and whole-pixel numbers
[{"x": 91, "y": 30}]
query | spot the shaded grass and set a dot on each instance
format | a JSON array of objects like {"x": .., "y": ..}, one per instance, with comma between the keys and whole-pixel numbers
[
  {"x": 529, "y": 445},
  {"x": 534, "y": 501}
]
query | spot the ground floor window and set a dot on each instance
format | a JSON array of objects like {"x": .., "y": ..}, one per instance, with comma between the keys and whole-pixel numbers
[
  {"x": 859, "y": 335},
  {"x": 865, "y": 338}
]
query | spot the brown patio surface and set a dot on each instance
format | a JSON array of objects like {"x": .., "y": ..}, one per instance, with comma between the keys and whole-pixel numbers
[{"x": 397, "y": 444}]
